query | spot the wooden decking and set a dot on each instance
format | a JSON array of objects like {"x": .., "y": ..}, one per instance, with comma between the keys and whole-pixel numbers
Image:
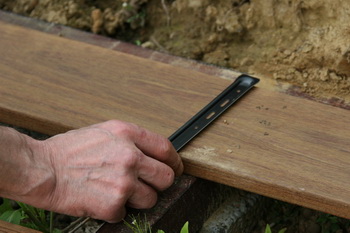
[
  {"x": 6, "y": 227},
  {"x": 270, "y": 143}
]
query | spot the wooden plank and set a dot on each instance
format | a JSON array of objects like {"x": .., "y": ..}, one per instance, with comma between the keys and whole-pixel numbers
[
  {"x": 270, "y": 143},
  {"x": 66, "y": 80},
  {"x": 6, "y": 227}
]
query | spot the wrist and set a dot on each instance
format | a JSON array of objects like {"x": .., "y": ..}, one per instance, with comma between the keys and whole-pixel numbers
[{"x": 27, "y": 175}]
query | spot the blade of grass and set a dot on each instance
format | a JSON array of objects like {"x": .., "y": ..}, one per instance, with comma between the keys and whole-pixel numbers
[
  {"x": 51, "y": 221},
  {"x": 80, "y": 224},
  {"x": 73, "y": 224},
  {"x": 32, "y": 217}
]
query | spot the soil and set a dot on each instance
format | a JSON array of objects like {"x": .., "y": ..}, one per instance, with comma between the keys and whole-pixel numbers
[{"x": 283, "y": 42}]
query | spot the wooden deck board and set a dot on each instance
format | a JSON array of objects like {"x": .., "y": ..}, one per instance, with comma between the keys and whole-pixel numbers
[
  {"x": 6, "y": 227},
  {"x": 269, "y": 143}
]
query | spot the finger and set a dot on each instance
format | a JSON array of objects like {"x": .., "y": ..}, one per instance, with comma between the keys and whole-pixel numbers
[
  {"x": 160, "y": 148},
  {"x": 144, "y": 197},
  {"x": 157, "y": 174}
]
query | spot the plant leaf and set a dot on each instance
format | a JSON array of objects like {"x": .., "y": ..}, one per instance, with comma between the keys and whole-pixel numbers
[
  {"x": 184, "y": 229},
  {"x": 12, "y": 216},
  {"x": 5, "y": 206},
  {"x": 282, "y": 230},
  {"x": 268, "y": 229}
]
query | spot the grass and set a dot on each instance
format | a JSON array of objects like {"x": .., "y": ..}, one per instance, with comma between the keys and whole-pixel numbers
[
  {"x": 293, "y": 218},
  {"x": 141, "y": 225},
  {"x": 268, "y": 229},
  {"x": 27, "y": 216}
]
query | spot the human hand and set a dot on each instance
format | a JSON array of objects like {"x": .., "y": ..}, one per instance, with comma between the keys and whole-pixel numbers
[{"x": 100, "y": 169}]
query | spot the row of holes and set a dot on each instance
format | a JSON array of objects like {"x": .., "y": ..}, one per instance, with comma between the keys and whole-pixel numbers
[{"x": 223, "y": 104}]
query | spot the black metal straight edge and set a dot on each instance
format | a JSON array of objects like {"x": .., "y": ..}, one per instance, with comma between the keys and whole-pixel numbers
[{"x": 212, "y": 111}]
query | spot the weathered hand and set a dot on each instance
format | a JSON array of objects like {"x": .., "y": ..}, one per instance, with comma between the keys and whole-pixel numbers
[{"x": 99, "y": 169}]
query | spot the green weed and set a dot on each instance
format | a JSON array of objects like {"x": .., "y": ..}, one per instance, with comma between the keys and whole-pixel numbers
[
  {"x": 268, "y": 229},
  {"x": 138, "y": 19},
  {"x": 27, "y": 216},
  {"x": 138, "y": 42},
  {"x": 139, "y": 225}
]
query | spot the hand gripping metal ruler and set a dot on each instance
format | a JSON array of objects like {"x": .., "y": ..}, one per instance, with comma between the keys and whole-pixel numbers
[{"x": 212, "y": 111}]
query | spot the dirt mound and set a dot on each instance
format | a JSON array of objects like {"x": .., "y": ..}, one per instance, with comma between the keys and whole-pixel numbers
[{"x": 305, "y": 43}]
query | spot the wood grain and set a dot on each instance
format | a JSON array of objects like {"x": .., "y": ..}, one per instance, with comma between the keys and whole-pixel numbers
[
  {"x": 269, "y": 143},
  {"x": 6, "y": 227}
]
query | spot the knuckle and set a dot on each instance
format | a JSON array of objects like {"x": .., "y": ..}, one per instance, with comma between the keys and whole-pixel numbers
[
  {"x": 142, "y": 133},
  {"x": 124, "y": 129},
  {"x": 111, "y": 124},
  {"x": 120, "y": 127},
  {"x": 131, "y": 159},
  {"x": 123, "y": 188},
  {"x": 165, "y": 147}
]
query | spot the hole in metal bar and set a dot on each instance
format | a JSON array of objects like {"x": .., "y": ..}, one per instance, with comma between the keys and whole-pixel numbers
[
  {"x": 196, "y": 127},
  {"x": 238, "y": 91},
  {"x": 210, "y": 115},
  {"x": 224, "y": 103}
]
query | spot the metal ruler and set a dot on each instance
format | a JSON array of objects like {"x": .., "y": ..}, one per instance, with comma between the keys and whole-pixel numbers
[{"x": 212, "y": 111}]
